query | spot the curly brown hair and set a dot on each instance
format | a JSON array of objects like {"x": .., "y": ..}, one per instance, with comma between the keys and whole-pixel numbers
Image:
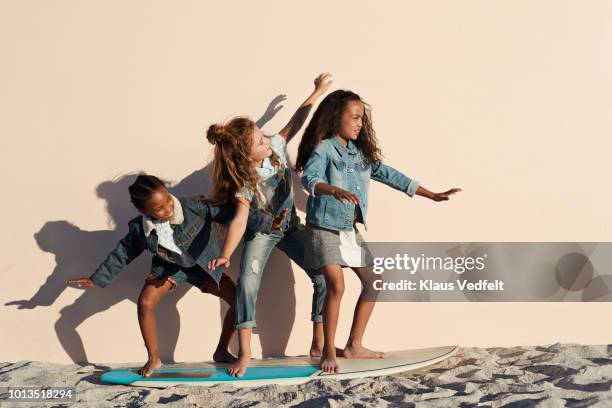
[
  {"x": 233, "y": 169},
  {"x": 325, "y": 124}
]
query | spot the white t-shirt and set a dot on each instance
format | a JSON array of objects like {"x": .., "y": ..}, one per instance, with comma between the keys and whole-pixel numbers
[{"x": 278, "y": 144}]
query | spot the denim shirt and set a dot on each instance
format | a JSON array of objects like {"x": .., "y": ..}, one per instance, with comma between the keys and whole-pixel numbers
[
  {"x": 192, "y": 226},
  {"x": 345, "y": 167}
]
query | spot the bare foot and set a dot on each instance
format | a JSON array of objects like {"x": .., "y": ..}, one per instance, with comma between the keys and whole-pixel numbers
[
  {"x": 239, "y": 367},
  {"x": 152, "y": 364},
  {"x": 362, "y": 352},
  {"x": 329, "y": 363},
  {"x": 224, "y": 356}
]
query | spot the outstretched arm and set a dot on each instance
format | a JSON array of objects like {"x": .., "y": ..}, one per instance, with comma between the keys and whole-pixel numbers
[
  {"x": 126, "y": 251},
  {"x": 322, "y": 84},
  {"x": 397, "y": 180},
  {"x": 393, "y": 178}
]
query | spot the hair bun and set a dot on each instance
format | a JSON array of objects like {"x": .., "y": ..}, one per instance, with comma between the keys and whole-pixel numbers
[{"x": 216, "y": 134}]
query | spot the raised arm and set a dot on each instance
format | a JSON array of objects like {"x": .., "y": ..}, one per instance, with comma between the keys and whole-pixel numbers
[{"x": 322, "y": 84}]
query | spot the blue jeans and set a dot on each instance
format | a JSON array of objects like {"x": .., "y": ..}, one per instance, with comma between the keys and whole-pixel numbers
[{"x": 254, "y": 258}]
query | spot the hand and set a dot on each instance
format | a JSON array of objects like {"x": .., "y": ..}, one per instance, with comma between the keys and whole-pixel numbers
[
  {"x": 81, "y": 282},
  {"x": 220, "y": 261},
  {"x": 322, "y": 83},
  {"x": 278, "y": 221},
  {"x": 445, "y": 195},
  {"x": 342, "y": 195}
]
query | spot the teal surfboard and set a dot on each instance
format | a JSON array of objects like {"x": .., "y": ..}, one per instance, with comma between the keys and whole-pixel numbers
[{"x": 287, "y": 370}]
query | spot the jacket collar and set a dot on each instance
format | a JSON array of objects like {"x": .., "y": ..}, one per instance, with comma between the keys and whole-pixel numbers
[
  {"x": 178, "y": 218},
  {"x": 350, "y": 147}
]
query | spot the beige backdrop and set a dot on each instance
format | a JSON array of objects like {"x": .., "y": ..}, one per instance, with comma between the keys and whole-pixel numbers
[{"x": 509, "y": 100}]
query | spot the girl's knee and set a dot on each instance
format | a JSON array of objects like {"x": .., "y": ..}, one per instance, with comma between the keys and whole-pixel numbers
[
  {"x": 252, "y": 266},
  {"x": 335, "y": 288},
  {"x": 147, "y": 302},
  {"x": 250, "y": 282}
]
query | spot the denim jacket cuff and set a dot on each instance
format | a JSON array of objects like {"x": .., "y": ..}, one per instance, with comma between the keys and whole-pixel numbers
[
  {"x": 97, "y": 281},
  {"x": 412, "y": 187},
  {"x": 312, "y": 185}
]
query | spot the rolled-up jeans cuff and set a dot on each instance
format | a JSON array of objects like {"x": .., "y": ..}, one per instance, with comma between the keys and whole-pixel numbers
[
  {"x": 246, "y": 325},
  {"x": 317, "y": 318}
]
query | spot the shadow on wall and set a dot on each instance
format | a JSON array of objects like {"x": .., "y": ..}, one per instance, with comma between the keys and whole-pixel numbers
[{"x": 78, "y": 253}]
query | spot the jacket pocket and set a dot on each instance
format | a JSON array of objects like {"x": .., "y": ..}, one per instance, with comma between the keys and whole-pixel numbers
[
  {"x": 364, "y": 164},
  {"x": 325, "y": 213},
  {"x": 337, "y": 173},
  {"x": 188, "y": 231},
  {"x": 339, "y": 165},
  {"x": 330, "y": 210}
]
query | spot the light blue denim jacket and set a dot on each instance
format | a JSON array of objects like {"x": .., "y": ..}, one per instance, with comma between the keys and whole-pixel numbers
[{"x": 346, "y": 168}]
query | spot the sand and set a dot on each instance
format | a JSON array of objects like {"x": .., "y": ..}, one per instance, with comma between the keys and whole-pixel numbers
[{"x": 550, "y": 376}]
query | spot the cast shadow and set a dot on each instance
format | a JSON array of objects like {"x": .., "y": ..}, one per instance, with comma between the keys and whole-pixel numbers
[{"x": 78, "y": 252}]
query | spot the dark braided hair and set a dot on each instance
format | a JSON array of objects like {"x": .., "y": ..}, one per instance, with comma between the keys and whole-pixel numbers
[{"x": 144, "y": 186}]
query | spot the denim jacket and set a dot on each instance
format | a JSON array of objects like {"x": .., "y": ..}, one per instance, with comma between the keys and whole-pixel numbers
[
  {"x": 192, "y": 233},
  {"x": 279, "y": 192},
  {"x": 346, "y": 168}
]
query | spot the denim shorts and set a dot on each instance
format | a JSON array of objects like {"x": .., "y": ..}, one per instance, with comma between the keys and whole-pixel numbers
[{"x": 193, "y": 275}]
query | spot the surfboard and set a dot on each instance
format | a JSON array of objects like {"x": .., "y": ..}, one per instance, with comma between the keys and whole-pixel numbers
[{"x": 282, "y": 371}]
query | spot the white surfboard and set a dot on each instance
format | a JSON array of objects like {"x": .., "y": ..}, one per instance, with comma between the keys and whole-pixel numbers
[{"x": 286, "y": 370}]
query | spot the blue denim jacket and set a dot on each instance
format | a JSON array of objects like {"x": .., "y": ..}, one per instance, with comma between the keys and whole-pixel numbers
[
  {"x": 346, "y": 168},
  {"x": 192, "y": 225}
]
